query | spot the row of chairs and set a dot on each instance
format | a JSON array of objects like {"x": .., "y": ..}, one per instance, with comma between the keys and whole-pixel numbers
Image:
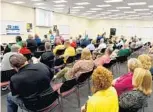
[{"x": 63, "y": 90}]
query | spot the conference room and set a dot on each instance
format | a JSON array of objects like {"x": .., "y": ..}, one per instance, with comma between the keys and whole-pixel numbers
[{"x": 76, "y": 55}]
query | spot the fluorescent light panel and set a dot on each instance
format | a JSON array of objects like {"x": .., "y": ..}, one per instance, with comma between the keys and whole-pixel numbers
[
  {"x": 141, "y": 9},
  {"x": 82, "y": 3},
  {"x": 60, "y": 5},
  {"x": 113, "y": 10},
  {"x": 79, "y": 7},
  {"x": 150, "y": 6},
  {"x": 59, "y": 8},
  {"x": 91, "y": 11},
  {"x": 137, "y": 3},
  {"x": 39, "y": 3},
  {"x": 60, "y": 1},
  {"x": 18, "y": 2},
  {"x": 36, "y": 0},
  {"x": 103, "y": 5},
  {"x": 123, "y": 7},
  {"x": 113, "y": 1},
  {"x": 130, "y": 12}
]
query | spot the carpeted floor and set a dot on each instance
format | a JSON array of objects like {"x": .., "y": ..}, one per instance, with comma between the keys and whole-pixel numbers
[{"x": 70, "y": 103}]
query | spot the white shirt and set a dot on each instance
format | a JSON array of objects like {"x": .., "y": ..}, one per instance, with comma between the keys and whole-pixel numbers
[
  {"x": 5, "y": 65},
  {"x": 91, "y": 47},
  {"x": 102, "y": 46}
]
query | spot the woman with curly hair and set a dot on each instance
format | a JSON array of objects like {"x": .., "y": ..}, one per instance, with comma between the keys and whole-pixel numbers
[{"x": 104, "y": 97}]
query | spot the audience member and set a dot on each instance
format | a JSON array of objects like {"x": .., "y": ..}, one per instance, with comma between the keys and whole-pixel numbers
[
  {"x": 69, "y": 73},
  {"x": 124, "y": 82},
  {"x": 58, "y": 47},
  {"x": 37, "y": 39},
  {"x": 45, "y": 39},
  {"x": 98, "y": 38},
  {"x": 30, "y": 82},
  {"x": 73, "y": 43},
  {"x": 91, "y": 46},
  {"x": 125, "y": 51},
  {"x": 19, "y": 40},
  {"x": 104, "y": 97},
  {"x": 101, "y": 46},
  {"x": 69, "y": 51},
  {"x": 139, "y": 42},
  {"x": 136, "y": 99},
  {"x": 24, "y": 49},
  {"x": 47, "y": 55},
  {"x": 105, "y": 58},
  {"x": 31, "y": 42},
  {"x": 6, "y": 68}
]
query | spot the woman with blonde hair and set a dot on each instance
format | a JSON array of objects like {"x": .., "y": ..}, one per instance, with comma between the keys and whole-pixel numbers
[
  {"x": 104, "y": 97},
  {"x": 136, "y": 99},
  {"x": 124, "y": 82},
  {"x": 85, "y": 64}
]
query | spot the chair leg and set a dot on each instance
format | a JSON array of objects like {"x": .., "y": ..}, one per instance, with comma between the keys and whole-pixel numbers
[
  {"x": 89, "y": 88},
  {"x": 78, "y": 96}
]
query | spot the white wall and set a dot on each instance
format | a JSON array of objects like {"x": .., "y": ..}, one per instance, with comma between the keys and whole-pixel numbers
[{"x": 77, "y": 25}]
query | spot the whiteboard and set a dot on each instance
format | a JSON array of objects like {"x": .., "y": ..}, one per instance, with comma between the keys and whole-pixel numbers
[
  {"x": 64, "y": 29},
  {"x": 12, "y": 27},
  {"x": 43, "y": 18}
]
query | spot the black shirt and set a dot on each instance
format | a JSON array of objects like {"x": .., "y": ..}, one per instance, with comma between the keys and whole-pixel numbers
[
  {"x": 32, "y": 79},
  {"x": 47, "y": 56},
  {"x": 31, "y": 43}
]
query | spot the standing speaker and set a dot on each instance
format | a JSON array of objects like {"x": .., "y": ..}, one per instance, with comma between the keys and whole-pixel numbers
[{"x": 112, "y": 31}]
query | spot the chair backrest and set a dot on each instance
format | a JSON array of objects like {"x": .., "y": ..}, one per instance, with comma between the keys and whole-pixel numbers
[
  {"x": 68, "y": 85},
  {"x": 83, "y": 77},
  {"x": 40, "y": 102},
  {"x": 107, "y": 65},
  {"x": 70, "y": 59},
  {"x": 32, "y": 48},
  {"x": 28, "y": 56},
  {"x": 103, "y": 50},
  {"x": 78, "y": 56},
  {"x": 121, "y": 59},
  {"x": 60, "y": 52},
  {"x": 38, "y": 54},
  {"x": 59, "y": 61}
]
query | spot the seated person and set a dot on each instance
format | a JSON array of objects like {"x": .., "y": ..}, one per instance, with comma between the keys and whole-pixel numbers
[
  {"x": 47, "y": 55},
  {"x": 59, "y": 46},
  {"x": 125, "y": 51},
  {"x": 136, "y": 99},
  {"x": 124, "y": 82},
  {"x": 30, "y": 81},
  {"x": 91, "y": 46},
  {"x": 24, "y": 49},
  {"x": 104, "y": 97},
  {"x": 69, "y": 51},
  {"x": 78, "y": 68},
  {"x": 37, "y": 39},
  {"x": 6, "y": 68},
  {"x": 19, "y": 40},
  {"x": 146, "y": 62},
  {"x": 101, "y": 46},
  {"x": 73, "y": 43},
  {"x": 31, "y": 42},
  {"x": 45, "y": 39},
  {"x": 105, "y": 58}
]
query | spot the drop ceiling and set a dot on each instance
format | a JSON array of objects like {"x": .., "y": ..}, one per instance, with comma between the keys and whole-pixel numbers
[{"x": 95, "y": 9}]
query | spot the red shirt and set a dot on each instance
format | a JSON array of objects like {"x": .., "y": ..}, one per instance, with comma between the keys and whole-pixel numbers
[
  {"x": 24, "y": 50},
  {"x": 73, "y": 44},
  {"x": 124, "y": 83}
]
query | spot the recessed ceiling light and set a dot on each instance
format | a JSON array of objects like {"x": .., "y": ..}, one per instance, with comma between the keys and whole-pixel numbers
[
  {"x": 113, "y": 10},
  {"x": 79, "y": 7},
  {"x": 145, "y": 13},
  {"x": 123, "y": 7},
  {"x": 18, "y": 2},
  {"x": 60, "y": 1},
  {"x": 137, "y": 3},
  {"x": 130, "y": 12},
  {"x": 103, "y": 5},
  {"x": 106, "y": 12},
  {"x": 133, "y": 15},
  {"x": 113, "y": 1},
  {"x": 141, "y": 9},
  {"x": 96, "y": 8},
  {"x": 91, "y": 11},
  {"x": 60, "y": 5},
  {"x": 39, "y": 4},
  {"x": 150, "y": 6},
  {"x": 82, "y": 3}
]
